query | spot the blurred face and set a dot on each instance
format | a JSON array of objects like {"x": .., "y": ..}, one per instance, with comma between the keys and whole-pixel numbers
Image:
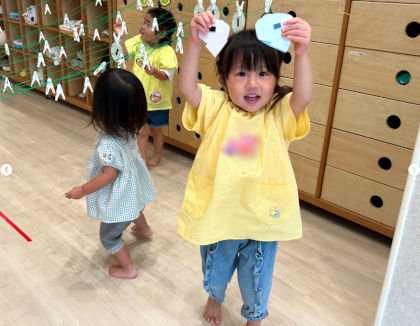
[
  {"x": 147, "y": 35},
  {"x": 250, "y": 90}
]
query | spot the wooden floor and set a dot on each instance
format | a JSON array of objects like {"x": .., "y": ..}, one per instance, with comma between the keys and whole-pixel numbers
[{"x": 332, "y": 276}]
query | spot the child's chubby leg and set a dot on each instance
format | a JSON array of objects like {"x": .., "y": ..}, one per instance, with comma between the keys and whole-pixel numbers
[
  {"x": 218, "y": 264},
  {"x": 142, "y": 227},
  {"x": 157, "y": 134},
  {"x": 143, "y": 141},
  {"x": 111, "y": 238},
  {"x": 255, "y": 275}
]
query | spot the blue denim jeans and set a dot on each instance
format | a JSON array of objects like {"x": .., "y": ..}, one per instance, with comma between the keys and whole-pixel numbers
[
  {"x": 111, "y": 235},
  {"x": 254, "y": 261}
]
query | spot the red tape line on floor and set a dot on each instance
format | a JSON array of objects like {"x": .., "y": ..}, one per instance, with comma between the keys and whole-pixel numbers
[{"x": 23, "y": 234}]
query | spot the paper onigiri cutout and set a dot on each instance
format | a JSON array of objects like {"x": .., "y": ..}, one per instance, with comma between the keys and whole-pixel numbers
[
  {"x": 268, "y": 29},
  {"x": 216, "y": 37}
]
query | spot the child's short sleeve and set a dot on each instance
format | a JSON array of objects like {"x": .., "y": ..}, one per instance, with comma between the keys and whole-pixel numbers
[
  {"x": 133, "y": 45},
  {"x": 109, "y": 154},
  {"x": 294, "y": 127},
  {"x": 200, "y": 119},
  {"x": 168, "y": 58}
]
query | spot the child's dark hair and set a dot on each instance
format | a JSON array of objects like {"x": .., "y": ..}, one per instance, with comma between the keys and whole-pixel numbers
[
  {"x": 252, "y": 53},
  {"x": 119, "y": 104},
  {"x": 166, "y": 22}
]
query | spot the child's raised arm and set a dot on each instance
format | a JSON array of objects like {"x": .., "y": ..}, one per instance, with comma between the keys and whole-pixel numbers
[
  {"x": 299, "y": 33},
  {"x": 189, "y": 66}
]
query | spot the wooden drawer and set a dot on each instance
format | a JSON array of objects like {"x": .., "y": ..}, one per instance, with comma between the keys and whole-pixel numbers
[
  {"x": 323, "y": 57},
  {"x": 375, "y": 72},
  {"x": 319, "y": 105},
  {"x": 364, "y": 31},
  {"x": 369, "y": 158},
  {"x": 368, "y": 198},
  {"x": 376, "y": 117},
  {"x": 306, "y": 173},
  {"x": 311, "y": 145},
  {"x": 321, "y": 15},
  {"x": 176, "y": 128}
]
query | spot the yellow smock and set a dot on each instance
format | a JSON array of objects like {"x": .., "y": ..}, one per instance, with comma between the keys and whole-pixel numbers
[
  {"x": 158, "y": 92},
  {"x": 237, "y": 196}
]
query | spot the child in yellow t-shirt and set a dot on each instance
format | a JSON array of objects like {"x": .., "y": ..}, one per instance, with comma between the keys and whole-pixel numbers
[
  {"x": 241, "y": 196},
  {"x": 157, "y": 78}
]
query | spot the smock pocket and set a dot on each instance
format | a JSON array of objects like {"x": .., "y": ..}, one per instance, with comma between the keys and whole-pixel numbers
[
  {"x": 276, "y": 203},
  {"x": 198, "y": 193}
]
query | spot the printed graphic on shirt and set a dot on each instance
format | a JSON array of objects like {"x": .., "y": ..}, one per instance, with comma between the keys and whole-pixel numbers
[
  {"x": 274, "y": 212},
  {"x": 106, "y": 157},
  {"x": 244, "y": 145},
  {"x": 155, "y": 97}
]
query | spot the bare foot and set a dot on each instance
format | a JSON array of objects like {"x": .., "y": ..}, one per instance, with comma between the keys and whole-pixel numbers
[
  {"x": 213, "y": 312},
  {"x": 142, "y": 227},
  {"x": 154, "y": 160},
  {"x": 120, "y": 272},
  {"x": 253, "y": 323}
]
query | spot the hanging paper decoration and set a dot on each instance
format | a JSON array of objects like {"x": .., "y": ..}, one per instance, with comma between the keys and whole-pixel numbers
[
  {"x": 267, "y": 6},
  {"x": 6, "y": 49},
  {"x": 41, "y": 36},
  {"x": 101, "y": 68},
  {"x": 155, "y": 25},
  {"x": 124, "y": 28},
  {"x": 66, "y": 19},
  {"x": 145, "y": 61},
  {"x": 46, "y": 47},
  {"x": 179, "y": 46},
  {"x": 63, "y": 52},
  {"x": 180, "y": 30},
  {"x": 139, "y": 6},
  {"x": 98, "y": 2},
  {"x": 82, "y": 30},
  {"x": 76, "y": 35},
  {"x": 118, "y": 17},
  {"x": 40, "y": 60}
]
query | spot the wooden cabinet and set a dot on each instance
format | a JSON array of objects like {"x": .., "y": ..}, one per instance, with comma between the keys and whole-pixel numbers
[{"x": 83, "y": 56}]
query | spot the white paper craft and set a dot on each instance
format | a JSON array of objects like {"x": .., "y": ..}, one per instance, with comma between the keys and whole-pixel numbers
[
  {"x": 96, "y": 35},
  {"x": 1, "y": 31},
  {"x": 155, "y": 25},
  {"x": 180, "y": 30},
  {"x": 98, "y": 2},
  {"x": 47, "y": 9},
  {"x": 150, "y": 3},
  {"x": 101, "y": 68},
  {"x": 216, "y": 37},
  {"x": 59, "y": 92},
  {"x": 49, "y": 87},
  {"x": 82, "y": 30},
  {"x": 116, "y": 37},
  {"x": 7, "y": 85},
  {"x": 213, "y": 8},
  {"x": 63, "y": 52},
  {"x": 142, "y": 51},
  {"x": 35, "y": 78},
  {"x": 179, "y": 46},
  {"x": 121, "y": 60},
  {"x": 87, "y": 85},
  {"x": 76, "y": 36},
  {"x": 145, "y": 62},
  {"x": 6, "y": 49},
  {"x": 268, "y": 30},
  {"x": 66, "y": 19},
  {"x": 124, "y": 28},
  {"x": 40, "y": 60},
  {"x": 267, "y": 6},
  {"x": 139, "y": 6},
  {"x": 41, "y": 37},
  {"x": 198, "y": 7},
  {"x": 238, "y": 20},
  {"x": 46, "y": 47},
  {"x": 118, "y": 17}
]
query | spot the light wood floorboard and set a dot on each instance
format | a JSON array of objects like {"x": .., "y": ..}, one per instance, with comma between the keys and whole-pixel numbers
[{"x": 330, "y": 277}]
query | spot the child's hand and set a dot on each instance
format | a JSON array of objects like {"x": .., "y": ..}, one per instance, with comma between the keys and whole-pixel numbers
[
  {"x": 299, "y": 33},
  {"x": 75, "y": 193},
  {"x": 117, "y": 28},
  {"x": 150, "y": 71},
  {"x": 201, "y": 23}
]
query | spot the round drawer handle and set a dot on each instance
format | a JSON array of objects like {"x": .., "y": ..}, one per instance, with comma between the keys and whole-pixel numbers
[
  {"x": 393, "y": 122},
  {"x": 385, "y": 163},
  {"x": 403, "y": 77},
  {"x": 376, "y": 201},
  {"x": 178, "y": 128},
  {"x": 413, "y": 29}
]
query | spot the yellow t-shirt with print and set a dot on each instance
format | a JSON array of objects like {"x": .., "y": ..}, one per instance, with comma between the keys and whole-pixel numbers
[
  {"x": 241, "y": 184},
  {"x": 158, "y": 92}
]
